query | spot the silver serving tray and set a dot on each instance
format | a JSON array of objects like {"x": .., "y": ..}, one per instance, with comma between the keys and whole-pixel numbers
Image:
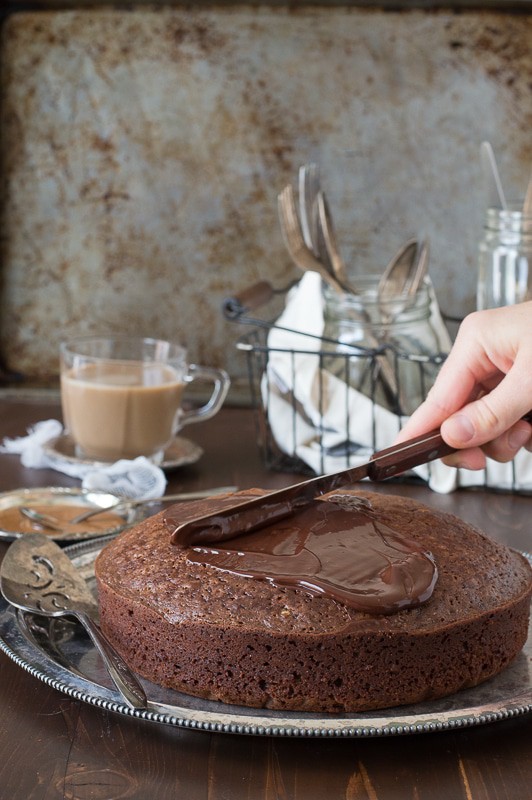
[{"x": 59, "y": 653}]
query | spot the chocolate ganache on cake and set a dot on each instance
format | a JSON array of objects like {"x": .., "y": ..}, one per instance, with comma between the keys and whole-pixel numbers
[
  {"x": 356, "y": 602},
  {"x": 335, "y": 547}
]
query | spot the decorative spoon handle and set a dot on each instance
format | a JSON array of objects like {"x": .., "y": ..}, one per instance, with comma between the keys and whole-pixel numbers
[{"x": 124, "y": 680}]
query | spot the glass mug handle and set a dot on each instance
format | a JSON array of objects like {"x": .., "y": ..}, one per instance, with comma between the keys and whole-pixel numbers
[{"x": 221, "y": 381}]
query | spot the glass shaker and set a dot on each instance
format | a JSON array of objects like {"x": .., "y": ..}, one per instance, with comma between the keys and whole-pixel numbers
[
  {"x": 505, "y": 258},
  {"x": 388, "y": 349}
]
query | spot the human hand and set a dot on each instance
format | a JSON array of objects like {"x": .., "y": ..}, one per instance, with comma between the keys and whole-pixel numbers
[{"x": 483, "y": 389}]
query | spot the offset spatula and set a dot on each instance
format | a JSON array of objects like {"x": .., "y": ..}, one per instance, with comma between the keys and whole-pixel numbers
[
  {"x": 251, "y": 514},
  {"x": 37, "y": 576}
]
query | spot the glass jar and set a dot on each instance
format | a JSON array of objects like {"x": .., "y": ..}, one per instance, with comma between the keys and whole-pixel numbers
[
  {"x": 390, "y": 350},
  {"x": 505, "y": 258}
]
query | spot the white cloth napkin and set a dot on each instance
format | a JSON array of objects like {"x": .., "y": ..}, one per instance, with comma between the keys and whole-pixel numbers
[
  {"x": 309, "y": 419},
  {"x": 137, "y": 479}
]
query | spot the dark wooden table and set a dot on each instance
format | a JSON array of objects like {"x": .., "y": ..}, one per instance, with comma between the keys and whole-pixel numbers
[{"x": 52, "y": 746}]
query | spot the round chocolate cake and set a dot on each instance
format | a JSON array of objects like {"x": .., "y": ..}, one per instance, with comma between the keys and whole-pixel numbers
[{"x": 358, "y": 602}]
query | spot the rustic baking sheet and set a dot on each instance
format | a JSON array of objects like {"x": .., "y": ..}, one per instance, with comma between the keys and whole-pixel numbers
[{"x": 142, "y": 152}]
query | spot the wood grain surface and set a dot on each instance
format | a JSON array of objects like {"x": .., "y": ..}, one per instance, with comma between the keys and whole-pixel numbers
[{"x": 54, "y": 747}]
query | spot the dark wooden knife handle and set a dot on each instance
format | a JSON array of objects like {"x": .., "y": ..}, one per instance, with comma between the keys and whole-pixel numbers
[
  {"x": 392, "y": 461},
  {"x": 247, "y": 300},
  {"x": 412, "y": 453}
]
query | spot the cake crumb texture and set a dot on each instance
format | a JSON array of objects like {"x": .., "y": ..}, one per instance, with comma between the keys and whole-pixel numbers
[{"x": 222, "y": 636}]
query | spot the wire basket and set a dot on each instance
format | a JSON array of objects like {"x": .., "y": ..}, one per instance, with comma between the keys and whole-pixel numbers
[
  {"x": 280, "y": 452},
  {"x": 353, "y": 369},
  {"x": 283, "y": 447}
]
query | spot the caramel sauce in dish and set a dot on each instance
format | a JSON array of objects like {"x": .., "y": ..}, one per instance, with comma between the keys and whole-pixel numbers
[
  {"x": 335, "y": 547},
  {"x": 11, "y": 520}
]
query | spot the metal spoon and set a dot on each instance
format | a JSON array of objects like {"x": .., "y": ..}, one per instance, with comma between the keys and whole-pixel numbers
[
  {"x": 325, "y": 226},
  {"x": 396, "y": 276},
  {"x": 309, "y": 186},
  {"x": 418, "y": 271},
  {"x": 302, "y": 256},
  {"x": 41, "y": 519},
  {"x": 317, "y": 225}
]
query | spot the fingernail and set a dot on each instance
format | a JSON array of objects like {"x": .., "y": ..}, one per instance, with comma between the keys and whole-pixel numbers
[
  {"x": 518, "y": 437},
  {"x": 459, "y": 428}
]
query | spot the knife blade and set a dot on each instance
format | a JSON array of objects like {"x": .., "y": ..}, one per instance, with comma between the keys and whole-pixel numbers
[{"x": 252, "y": 514}]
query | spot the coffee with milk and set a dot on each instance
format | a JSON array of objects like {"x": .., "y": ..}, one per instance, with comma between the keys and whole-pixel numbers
[{"x": 123, "y": 407}]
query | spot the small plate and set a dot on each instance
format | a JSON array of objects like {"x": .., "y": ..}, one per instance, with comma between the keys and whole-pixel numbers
[
  {"x": 180, "y": 452},
  {"x": 47, "y": 499}
]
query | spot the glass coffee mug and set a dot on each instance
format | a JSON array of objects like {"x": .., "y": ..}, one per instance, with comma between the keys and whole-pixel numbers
[{"x": 122, "y": 395}]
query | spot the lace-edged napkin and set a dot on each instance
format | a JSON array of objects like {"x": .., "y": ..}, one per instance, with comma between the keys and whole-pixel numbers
[{"x": 137, "y": 479}]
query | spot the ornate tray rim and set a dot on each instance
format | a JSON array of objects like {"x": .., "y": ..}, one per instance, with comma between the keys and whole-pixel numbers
[{"x": 197, "y": 714}]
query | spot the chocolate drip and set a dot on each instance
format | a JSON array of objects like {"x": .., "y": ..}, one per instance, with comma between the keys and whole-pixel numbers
[{"x": 337, "y": 548}]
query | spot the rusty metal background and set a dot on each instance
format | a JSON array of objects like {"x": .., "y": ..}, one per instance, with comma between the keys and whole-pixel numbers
[{"x": 143, "y": 150}]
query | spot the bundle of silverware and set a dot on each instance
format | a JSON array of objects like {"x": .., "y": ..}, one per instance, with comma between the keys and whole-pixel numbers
[
  {"x": 311, "y": 241},
  {"x": 382, "y": 323}
]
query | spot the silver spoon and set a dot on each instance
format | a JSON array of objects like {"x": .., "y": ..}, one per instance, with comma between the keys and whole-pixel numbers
[
  {"x": 419, "y": 270},
  {"x": 396, "y": 276},
  {"x": 325, "y": 226},
  {"x": 302, "y": 256},
  {"x": 316, "y": 224},
  {"x": 41, "y": 519},
  {"x": 309, "y": 186}
]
